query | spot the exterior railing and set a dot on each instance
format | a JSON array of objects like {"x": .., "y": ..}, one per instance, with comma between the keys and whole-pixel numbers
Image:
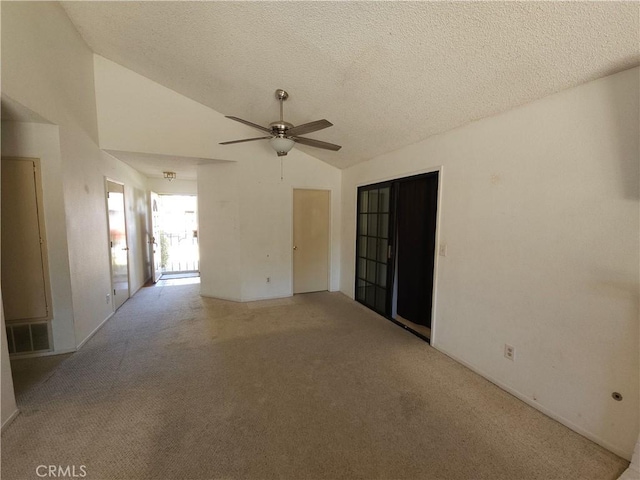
[{"x": 179, "y": 252}]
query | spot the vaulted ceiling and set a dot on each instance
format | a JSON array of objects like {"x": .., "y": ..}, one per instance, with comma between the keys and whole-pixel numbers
[{"x": 386, "y": 74}]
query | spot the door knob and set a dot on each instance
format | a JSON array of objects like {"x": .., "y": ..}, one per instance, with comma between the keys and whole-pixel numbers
[{"x": 295, "y": 247}]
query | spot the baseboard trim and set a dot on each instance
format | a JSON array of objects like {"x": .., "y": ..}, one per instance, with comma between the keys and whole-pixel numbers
[
  {"x": 258, "y": 299},
  {"x": 82, "y": 343},
  {"x": 138, "y": 289},
  {"x": 549, "y": 413},
  {"x": 245, "y": 299},
  {"x": 9, "y": 420},
  {"x": 629, "y": 474},
  {"x": 21, "y": 356},
  {"x": 219, "y": 297}
]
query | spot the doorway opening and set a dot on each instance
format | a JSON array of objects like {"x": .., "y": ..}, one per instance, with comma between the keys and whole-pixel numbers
[
  {"x": 395, "y": 250},
  {"x": 175, "y": 227}
]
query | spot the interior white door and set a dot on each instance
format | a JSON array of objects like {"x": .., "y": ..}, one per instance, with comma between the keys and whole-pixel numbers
[
  {"x": 25, "y": 277},
  {"x": 310, "y": 240},
  {"x": 155, "y": 237},
  {"x": 119, "y": 248}
]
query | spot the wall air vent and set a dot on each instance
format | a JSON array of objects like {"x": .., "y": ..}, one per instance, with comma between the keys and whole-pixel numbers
[{"x": 28, "y": 338}]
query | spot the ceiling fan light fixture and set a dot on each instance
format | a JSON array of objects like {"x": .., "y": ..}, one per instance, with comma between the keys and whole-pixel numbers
[
  {"x": 282, "y": 135},
  {"x": 281, "y": 145}
]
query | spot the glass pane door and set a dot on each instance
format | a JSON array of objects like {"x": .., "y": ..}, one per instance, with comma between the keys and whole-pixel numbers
[{"x": 372, "y": 248}]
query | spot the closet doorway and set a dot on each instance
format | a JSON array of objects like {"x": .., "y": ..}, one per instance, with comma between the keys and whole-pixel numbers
[{"x": 395, "y": 250}]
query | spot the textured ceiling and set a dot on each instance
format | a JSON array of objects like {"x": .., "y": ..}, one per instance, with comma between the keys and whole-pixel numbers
[{"x": 386, "y": 74}]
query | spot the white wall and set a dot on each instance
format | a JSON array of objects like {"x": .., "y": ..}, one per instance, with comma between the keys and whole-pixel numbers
[
  {"x": 42, "y": 141},
  {"x": 245, "y": 209},
  {"x": 219, "y": 235},
  {"x": 48, "y": 68},
  {"x": 539, "y": 210},
  {"x": 266, "y": 206},
  {"x": 9, "y": 407},
  {"x": 246, "y": 213},
  {"x": 246, "y": 230}
]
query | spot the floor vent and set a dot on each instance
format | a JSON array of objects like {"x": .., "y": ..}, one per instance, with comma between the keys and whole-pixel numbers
[{"x": 28, "y": 338}]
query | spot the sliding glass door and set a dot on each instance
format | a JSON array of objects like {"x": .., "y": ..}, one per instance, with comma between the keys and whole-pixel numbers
[
  {"x": 395, "y": 249},
  {"x": 373, "y": 249}
]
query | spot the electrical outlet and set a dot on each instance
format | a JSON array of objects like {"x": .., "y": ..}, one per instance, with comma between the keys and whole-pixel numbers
[
  {"x": 509, "y": 351},
  {"x": 442, "y": 250},
  {"x": 268, "y": 279},
  {"x": 108, "y": 298}
]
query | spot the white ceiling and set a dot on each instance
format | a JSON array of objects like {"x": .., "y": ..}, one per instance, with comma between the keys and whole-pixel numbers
[
  {"x": 386, "y": 74},
  {"x": 153, "y": 165}
]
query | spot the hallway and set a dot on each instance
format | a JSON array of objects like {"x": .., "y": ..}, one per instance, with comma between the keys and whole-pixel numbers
[{"x": 314, "y": 386}]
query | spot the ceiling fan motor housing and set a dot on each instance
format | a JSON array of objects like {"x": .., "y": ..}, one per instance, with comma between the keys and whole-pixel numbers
[{"x": 280, "y": 127}]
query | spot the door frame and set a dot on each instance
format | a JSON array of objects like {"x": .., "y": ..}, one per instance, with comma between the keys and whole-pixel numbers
[
  {"x": 153, "y": 240},
  {"x": 329, "y": 252},
  {"x": 126, "y": 235},
  {"x": 436, "y": 267}
]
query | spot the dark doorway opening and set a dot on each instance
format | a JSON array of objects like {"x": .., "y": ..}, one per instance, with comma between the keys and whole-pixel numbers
[{"x": 395, "y": 250}]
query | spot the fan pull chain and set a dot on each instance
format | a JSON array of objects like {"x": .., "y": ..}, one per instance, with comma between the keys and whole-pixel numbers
[{"x": 281, "y": 169}]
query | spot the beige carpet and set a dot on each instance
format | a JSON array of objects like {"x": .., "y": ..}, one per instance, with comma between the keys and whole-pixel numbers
[{"x": 176, "y": 386}]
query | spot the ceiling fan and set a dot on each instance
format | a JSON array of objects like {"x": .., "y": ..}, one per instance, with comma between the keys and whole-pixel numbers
[{"x": 283, "y": 135}]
